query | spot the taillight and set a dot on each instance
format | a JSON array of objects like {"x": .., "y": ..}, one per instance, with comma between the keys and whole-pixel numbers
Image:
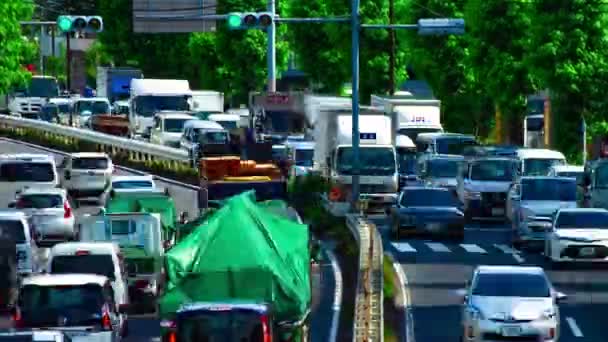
[
  {"x": 335, "y": 194},
  {"x": 171, "y": 336},
  {"x": 17, "y": 319},
  {"x": 266, "y": 329},
  {"x": 67, "y": 210},
  {"x": 141, "y": 284},
  {"x": 106, "y": 323}
]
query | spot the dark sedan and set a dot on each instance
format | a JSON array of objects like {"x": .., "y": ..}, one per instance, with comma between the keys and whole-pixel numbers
[{"x": 427, "y": 210}]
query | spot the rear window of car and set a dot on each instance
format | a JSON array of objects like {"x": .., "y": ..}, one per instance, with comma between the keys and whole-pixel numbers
[
  {"x": 90, "y": 163},
  {"x": 27, "y": 172},
  {"x": 101, "y": 264},
  {"x": 511, "y": 285},
  {"x": 428, "y": 198},
  {"x": 12, "y": 230},
  {"x": 221, "y": 325},
  {"x": 132, "y": 185},
  {"x": 579, "y": 220},
  {"x": 40, "y": 201}
]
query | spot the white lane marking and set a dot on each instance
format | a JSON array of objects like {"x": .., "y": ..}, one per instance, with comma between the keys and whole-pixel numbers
[
  {"x": 506, "y": 249},
  {"x": 472, "y": 248},
  {"x": 406, "y": 301},
  {"x": 404, "y": 247},
  {"x": 438, "y": 247},
  {"x": 335, "y": 320},
  {"x": 576, "y": 331},
  {"x": 518, "y": 258}
]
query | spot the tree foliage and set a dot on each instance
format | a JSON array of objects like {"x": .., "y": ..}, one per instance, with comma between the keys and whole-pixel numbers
[
  {"x": 570, "y": 60},
  {"x": 14, "y": 48}
]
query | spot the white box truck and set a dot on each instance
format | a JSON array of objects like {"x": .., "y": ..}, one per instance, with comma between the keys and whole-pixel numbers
[
  {"x": 207, "y": 101},
  {"x": 333, "y": 156},
  {"x": 414, "y": 115}
]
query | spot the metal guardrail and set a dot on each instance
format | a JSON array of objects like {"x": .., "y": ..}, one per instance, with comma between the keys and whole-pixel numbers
[
  {"x": 368, "y": 322},
  {"x": 137, "y": 150}
]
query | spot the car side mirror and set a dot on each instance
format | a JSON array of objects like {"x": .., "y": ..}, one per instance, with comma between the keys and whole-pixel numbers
[{"x": 560, "y": 297}]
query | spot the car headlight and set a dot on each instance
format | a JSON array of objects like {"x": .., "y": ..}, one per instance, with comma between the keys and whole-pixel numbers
[
  {"x": 548, "y": 314},
  {"x": 472, "y": 195}
]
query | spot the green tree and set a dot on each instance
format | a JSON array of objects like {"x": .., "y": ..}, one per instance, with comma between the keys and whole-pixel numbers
[
  {"x": 14, "y": 48},
  {"x": 498, "y": 41},
  {"x": 442, "y": 61},
  {"x": 234, "y": 61},
  {"x": 567, "y": 55},
  {"x": 323, "y": 50}
]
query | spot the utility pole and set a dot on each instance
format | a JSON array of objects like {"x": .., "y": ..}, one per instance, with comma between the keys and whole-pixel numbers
[
  {"x": 272, "y": 50},
  {"x": 392, "y": 47},
  {"x": 41, "y": 51},
  {"x": 354, "y": 58},
  {"x": 68, "y": 64}
]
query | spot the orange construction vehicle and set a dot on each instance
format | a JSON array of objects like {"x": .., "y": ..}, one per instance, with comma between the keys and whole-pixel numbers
[
  {"x": 115, "y": 124},
  {"x": 228, "y": 175}
]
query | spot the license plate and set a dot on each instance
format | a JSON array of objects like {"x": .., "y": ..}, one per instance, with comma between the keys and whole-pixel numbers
[
  {"x": 498, "y": 211},
  {"x": 511, "y": 331},
  {"x": 587, "y": 251}
]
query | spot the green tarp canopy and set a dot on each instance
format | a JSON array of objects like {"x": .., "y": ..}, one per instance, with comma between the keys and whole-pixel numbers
[
  {"x": 153, "y": 203},
  {"x": 243, "y": 252}
]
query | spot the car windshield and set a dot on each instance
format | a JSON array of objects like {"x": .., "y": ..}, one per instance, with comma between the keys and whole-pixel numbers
[
  {"x": 406, "y": 162},
  {"x": 601, "y": 176},
  {"x": 304, "y": 157},
  {"x": 94, "y": 163},
  {"x": 563, "y": 190},
  {"x": 443, "y": 168},
  {"x": 454, "y": 145},
  {"x": 212, "y": 137},
  {"x": 42, "y": 87},
  {"x": 228, "y": 125},
  {"x": 40, "y": 201},
  {"x": 428, "y": 198},
  {"x": 540, "y": 167},
  {"x": 26, "y": 172},
  {"x": 147, "y": 106},
  {"x": 412, "y": 133},
  {"x": 220, "y": 326},
  {"x": 42, "y": 306},
  {"x": 283, "y": 122},
  {"x": 373, "y": 161},
  {"x": 64, "y": 108},
  {"x": 493, "y": 170},
  {"x": 132, "y": 184},
  {"x": 511, "y": 285},
  {"x": 580, "y": 220},
  {"x": 100, "y": 264},
  {"x": 12, "y": 230},
  {"x": 95, "y": 107},
  {"x": 175, "y": 125}
]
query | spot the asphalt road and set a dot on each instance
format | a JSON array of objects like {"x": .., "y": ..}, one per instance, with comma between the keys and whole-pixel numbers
[
  {"x": 146, "y": 328},
  {"x": 436, "y": 270}
]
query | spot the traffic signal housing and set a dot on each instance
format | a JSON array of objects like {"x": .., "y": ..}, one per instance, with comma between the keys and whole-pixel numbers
[
  {"x": 249, "y": 20},
  {"x": 79, "y": 23}
]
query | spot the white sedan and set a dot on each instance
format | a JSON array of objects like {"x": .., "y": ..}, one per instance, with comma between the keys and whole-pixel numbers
[
  {"x": 578, "y": 235},
  {"x": 510, "y": 302}
]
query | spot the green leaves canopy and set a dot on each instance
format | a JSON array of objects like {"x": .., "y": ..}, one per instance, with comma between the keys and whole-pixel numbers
[{"x": 14, "y": 48}]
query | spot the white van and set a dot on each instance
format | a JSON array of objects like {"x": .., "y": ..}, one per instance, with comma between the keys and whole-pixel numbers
[
  {"x": 101, "y": 258},
  {"x": 203, "y": 131},
  {"x": 168, "y": 127},
  {"x": 228, "y": 121},
  {"x": 87, "y": 174},
  {"x": 14, "y": 224},
  {"x": 18, "y": 171},
  {"x": 538, "y": 162}
]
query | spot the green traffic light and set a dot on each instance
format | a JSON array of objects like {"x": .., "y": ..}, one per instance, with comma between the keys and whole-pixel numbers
[
  {"x": 64, "y": 23},
  {"x": 234, "y": 20}
]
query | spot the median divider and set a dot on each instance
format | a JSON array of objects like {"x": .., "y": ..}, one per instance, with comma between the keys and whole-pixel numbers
[
  {"x": 368, "y": 323},
  {"x": 136, "y": 150}
]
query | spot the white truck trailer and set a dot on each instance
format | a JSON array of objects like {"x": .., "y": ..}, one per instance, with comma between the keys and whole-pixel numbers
[
  {"x": 414, "y": 115},
  {"x": 333, "y": 156},
  {"x": 208, "y": 101}
]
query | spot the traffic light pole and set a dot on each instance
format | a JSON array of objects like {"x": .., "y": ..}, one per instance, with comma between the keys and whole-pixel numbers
[{"x": 271, "y": 54}]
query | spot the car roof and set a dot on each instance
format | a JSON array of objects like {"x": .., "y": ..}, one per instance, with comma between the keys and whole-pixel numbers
[
  {"x": 132, "y": 178},
  {"x": 568, "y": 168},
  {"x": 439, "y": 135},
  {"x": 301, "y": 145},
  {"x": 68, "y": 248},
  {"x": 431, "y": 188},
  {"x": 543, "y": 177},
  {"x": 27, "y": 157},
  {"x": 43, "y": 191},
  {"x": 539, "y": 153},
  {"x": 445, "y": 157},
  {"x": 582, "y": 210},
  {"x": 89, "y": 155},
  {"x": 229, "y": 305},
  {"x": 92, "y": 99},
  {"x": 12, "y": 213},
  {"x": 64, "y": 279},
  {"x": 509, "y": 269},
  {"x": 184, "y": 116},
  {"x": 224, "y": 117},
  {"x": 204, "y": 124}
]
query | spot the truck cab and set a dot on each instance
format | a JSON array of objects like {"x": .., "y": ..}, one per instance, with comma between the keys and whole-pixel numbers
[
  {"x": 28, "y": 101},
  {"x": 406, "y": 161}
]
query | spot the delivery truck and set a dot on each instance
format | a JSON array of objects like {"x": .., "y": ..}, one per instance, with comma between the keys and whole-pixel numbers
[{"x": 115, "y": 83}]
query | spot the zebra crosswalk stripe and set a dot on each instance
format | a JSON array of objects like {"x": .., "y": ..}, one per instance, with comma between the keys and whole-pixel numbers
[
  {"x": 404, "y": 247},
  {"x": 438, "y": 247},
  {"x": 472, "y": 248},
  {"x": 506, "y": 249}
]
